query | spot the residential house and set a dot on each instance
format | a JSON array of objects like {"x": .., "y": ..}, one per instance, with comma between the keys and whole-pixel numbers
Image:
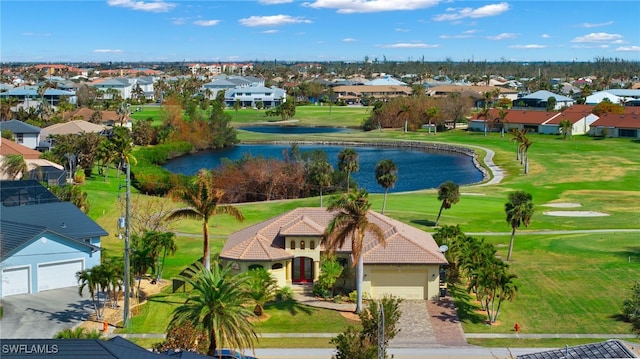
[
  {"x": 625, "y": 125},
  {"x": 600, "y": 96},
  {"x": 44, "y": 242},
  {"x": 612, "y": 348},
  {"x": 23, "y": 133},
  {"x": 290, "y": 247},
  {"x": 476, "y": 91},
  {"x": 250, "y": 96},
  {"x": 580, "y": 117},
  {"x": 385, "y": 80},
  {"x": 30, "y": 93},
  {"x": 360, "y": 93},
  {"x": 109, "y": 87},
  {"x": 538, "y": 100},
  {"x": 38, "y": 168}
]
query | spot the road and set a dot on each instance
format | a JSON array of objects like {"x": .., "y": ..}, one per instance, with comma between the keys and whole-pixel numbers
[{"x": 404, "y": 353}]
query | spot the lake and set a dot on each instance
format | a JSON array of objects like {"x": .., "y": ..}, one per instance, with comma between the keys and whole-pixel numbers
[{"x": 417, "y": 168}]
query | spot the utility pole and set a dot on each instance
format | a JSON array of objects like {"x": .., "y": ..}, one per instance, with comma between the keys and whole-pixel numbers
[{"x": 125, "y": 321}]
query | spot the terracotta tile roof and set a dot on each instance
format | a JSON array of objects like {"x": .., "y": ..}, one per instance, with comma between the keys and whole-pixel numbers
[
  {"x": 525, "y": 117},
  {"x": 265, "y": 241},
  {"x": 71, "y": 127},
  {"x": 8, "y": 147},
  {"x": 627, "y": 120}
]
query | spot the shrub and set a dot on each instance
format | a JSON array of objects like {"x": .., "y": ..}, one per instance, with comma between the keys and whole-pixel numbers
[
  {"x": 79, "y": 176},
  {"x": 284, "y": 293}
]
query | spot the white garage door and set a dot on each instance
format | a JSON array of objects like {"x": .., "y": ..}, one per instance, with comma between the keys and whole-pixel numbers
[
  {"x": 15, "y": 281},
  {"x": 59, "y": 275},
  {"x": 406, "y": 284}
]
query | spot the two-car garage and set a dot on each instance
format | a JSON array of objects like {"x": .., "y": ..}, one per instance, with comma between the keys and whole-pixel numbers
[{"x": 52, "y": 275}]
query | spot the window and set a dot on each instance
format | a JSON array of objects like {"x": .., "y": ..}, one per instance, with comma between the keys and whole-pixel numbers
[
  {"x": 293, "y": 245},
  {"x": 255, "y": 266},
  {"x": 312, "y": 245},
  {"x": 19, "y": 138},
  {"x": 302, "y": 245},
  {"x": 276, "y": 266}
]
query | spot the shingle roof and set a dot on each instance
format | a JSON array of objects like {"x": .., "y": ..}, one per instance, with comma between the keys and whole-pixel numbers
[
  {"x": 265, "y": 241},
  {"x": 71, "y": 127},
  {"x": 61, "y": 217},
  {"x": 17, "y": 126},
  {"x": 607, "y": 349}
]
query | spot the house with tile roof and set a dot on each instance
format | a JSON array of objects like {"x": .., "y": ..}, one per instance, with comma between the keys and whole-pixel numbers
[
  {"x": 542, "y": 122},
  {"x": 290, "y": 247},
  {"x": 626, "y": 125},
  {"x": 23, "y": 133},
  {"x": 362, "y": 93},
  {"x": 43, "y": 242},
  {"x": 38, "y": 168}
]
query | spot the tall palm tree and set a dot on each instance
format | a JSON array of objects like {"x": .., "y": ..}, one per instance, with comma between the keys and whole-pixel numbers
[
  {"x": 321, "y": 175},
  {"x": 217, "y": 307},
  {"x": 350, "y": 221},
  {"x": 386, "y": 175},
  {"x": 161, "y": 244},
  {"x": 90, "y": 279},
  {"x": 519, "y": 211},
  {"x": 449, "y": 194},
  {"x": 348, "y": 162},
  {"x": 524, "y": 157},
  {"x": 204, "y": 201},
  {"x": 518, "y": 136}
]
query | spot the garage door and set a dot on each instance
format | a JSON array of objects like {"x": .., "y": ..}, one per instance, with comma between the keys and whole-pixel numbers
[
  {"x": 405, "y": 284},
  {"x": 15, "y": 281},
  {"x": 58, "y": 275}
]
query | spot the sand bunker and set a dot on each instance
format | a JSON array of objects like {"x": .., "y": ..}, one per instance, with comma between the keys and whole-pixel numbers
[
  {"x": 575, "y": 213},
  {"x": 563, "y": 205}
]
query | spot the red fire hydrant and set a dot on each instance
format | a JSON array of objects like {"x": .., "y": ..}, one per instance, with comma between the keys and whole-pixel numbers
[
  {"x": 517, "y": 327},
  {"x": 105, "y": 326}
]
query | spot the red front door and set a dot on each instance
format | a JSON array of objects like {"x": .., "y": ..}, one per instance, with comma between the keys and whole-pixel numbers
[{"x": 302, "y": 270}]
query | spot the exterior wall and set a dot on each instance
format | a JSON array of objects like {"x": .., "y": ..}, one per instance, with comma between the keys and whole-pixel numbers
[
  {"x": 49, "y": 248},
  {"x": 30, "y": 140},
  {"x": 282, "y": 277},
  {"x": 409, "y": 281}
]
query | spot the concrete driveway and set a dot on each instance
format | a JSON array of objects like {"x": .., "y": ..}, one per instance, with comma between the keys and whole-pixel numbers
[{"x": 42, "y": 315}]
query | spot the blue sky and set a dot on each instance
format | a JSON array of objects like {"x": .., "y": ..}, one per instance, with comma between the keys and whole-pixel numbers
[{"x": 320, "y": 30}]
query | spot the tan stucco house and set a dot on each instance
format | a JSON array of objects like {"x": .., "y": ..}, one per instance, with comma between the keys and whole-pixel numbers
[{"x": 290, "y": 247}]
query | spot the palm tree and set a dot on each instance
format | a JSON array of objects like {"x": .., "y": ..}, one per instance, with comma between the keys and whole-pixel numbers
[
  {"x": 123, "y": 111},
  {"x": 14, "y": 166},
  {"x": 348, "y": 162},
  {"x": 524, "y": 157},
  {"x": 262, "y": 287},
  {"x": 566, "y": 127},
  {"x": 519, "y": 211},
  {"x": 161, "y": 243},
  {"x": 386, "y": 175},
  {"x": 217, "y": 307},
  {"x": 449, "y": 194},
  {"x": 321, "y": 175},
  {"x": 518, "y": 136},
  {"x": 90, "y": 279},
  {"x": 350, "y": 221},
  {"x": 203, "y": 198}
]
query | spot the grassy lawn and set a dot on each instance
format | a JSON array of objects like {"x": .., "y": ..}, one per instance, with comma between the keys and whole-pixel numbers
[{"x": 568, "y": 283}]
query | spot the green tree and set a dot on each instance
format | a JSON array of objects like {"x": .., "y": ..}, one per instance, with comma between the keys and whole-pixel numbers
[
  {"x": 236, "y": 106},
  {"x": 566, "y": 126},
  {"x": 14, "y": 166},
  {"x": 204, "y": 199},
  {"x": 90, "y": 279},
  {"x": 321, "y": 175},
  {"x": 350, "y": 221},
  {"x": 160, "y": 244},
  {"x": 217, "y": 306},
  {"x": 631, "y": 307},
  {"x": 519, "y": 211},
  {"x": 262, "y": 287},
  {"x": 330, "y": 271},
  {"x": 123, "y": 111},
  {"x": 287, "y": 110},
  {"x": 348, "y": 163},
  {"x": 386, "y": 175},
  {"x": 551, "y": 103},
  {"x": 449, "y": 194}
]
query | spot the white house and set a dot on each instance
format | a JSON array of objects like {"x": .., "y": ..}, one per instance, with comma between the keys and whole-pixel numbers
[{"x": 23, "y": 133}]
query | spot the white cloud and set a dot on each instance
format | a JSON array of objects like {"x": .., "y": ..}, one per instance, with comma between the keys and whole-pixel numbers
[
  {"x": 530, "y": 46},
  {"x": 178, "y": 21},
  {"x": 598, "y": 37},
  {"x": 402, "y": 30},
  {"x": 152, "y": 6},
  {"x": 44, "y": 34},
  {"x": 363, "y": 6},
  {"x": 108, "y": 51},
  {"x": 545, "y": 36},
  {"x": 465, "y": 35},
  {"x": 484, "y": 11},
  {"x": 270, "y": 31},
  {"x": 274, "y": 2},
  {"x": 599, "y": 46},
  {"x": 629, "y": 48},
  {"x": 409, "y": 45},
  {"x": 206, "y": 22},
  {"x": 274, "y": 20},
  {"x": 503, "y": 36},
  {"x": 589, "y": 25},
  {"x": 349, "y": 39}
]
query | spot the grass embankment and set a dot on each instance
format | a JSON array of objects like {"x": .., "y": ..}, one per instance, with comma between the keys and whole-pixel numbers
[{"x": 568, "y": 283}]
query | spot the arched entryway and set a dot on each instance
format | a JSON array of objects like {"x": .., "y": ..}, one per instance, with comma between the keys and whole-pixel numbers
[{"x": 302, "y": 271}]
